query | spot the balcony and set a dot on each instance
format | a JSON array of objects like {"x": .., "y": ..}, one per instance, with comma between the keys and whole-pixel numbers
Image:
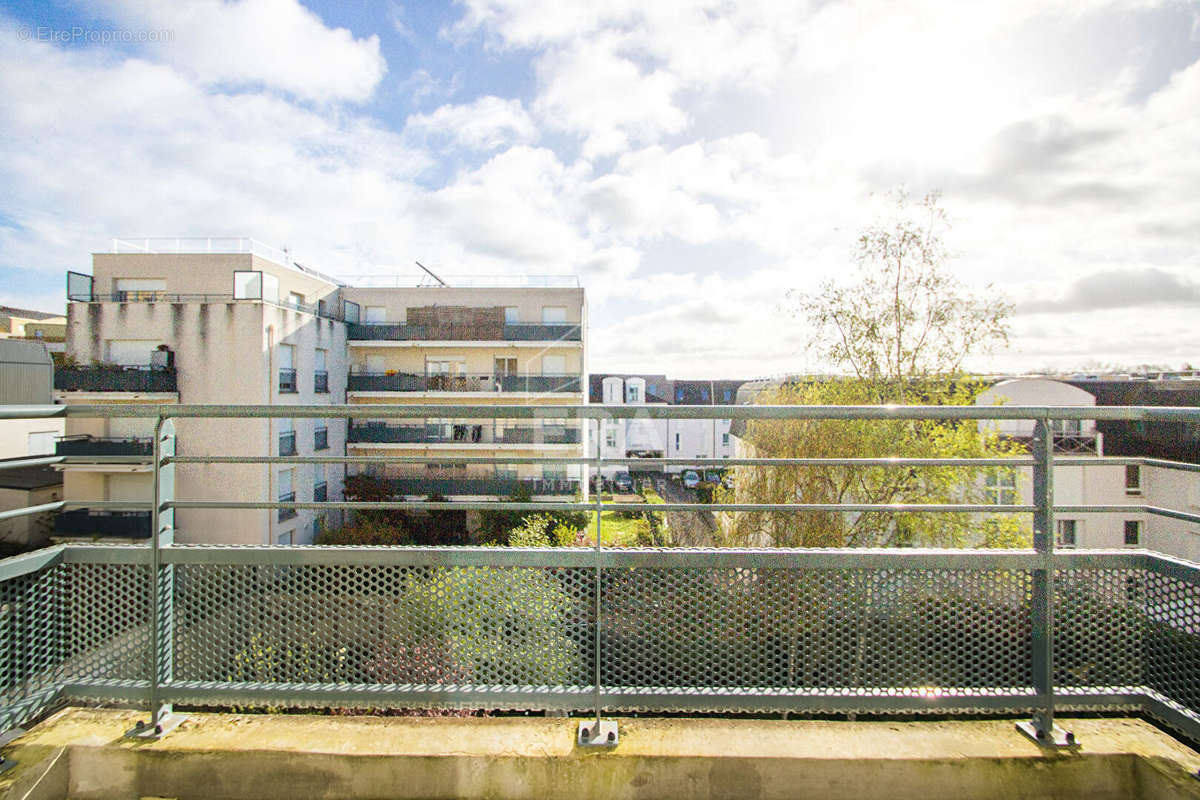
[
  {"x": 464, "y": 433},
  {"x": 287, "y": 381},
  {"x": 96, "y": 446},
  {"x": 408, "y": 382},
  {"x": 85, "y": 522},
  {"x": 321, "y": 382},
  {"x": 287, "y": 513},
  {"x": 400, "y": 332},
  {"x": 486, "y": 487},
  {"x": 287, "y": 443},
  {"x": 115, "y": 378},
  {"x": 320, "y": 492}
]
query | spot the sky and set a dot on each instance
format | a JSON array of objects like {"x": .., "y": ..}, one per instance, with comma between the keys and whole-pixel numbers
[{"x": 691, "y": 162}]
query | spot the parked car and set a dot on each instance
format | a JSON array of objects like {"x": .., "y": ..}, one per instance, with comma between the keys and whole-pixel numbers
[
  {"x": 691, "y": 479},
  {"x": 622, "y": 482},
  {"x": 712, "y": 476}
]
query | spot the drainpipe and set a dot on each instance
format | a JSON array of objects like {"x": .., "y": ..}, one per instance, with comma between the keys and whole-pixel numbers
[{"x": 270, "y": 400}]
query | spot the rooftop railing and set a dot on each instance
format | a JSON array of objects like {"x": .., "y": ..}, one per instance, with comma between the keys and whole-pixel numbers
[
  {"x": 115, "y": 378},
  {"x": 518, "y": 332},
  {"x": 599, "y": 629},
  {"x": 408, "y": 382}
]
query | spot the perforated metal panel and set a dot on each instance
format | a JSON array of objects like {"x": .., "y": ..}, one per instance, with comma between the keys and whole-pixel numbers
[
  {"x": 371, "y": 627},
  {"x": 702, "y": 630},
  {"x": 31, "y": 643}
]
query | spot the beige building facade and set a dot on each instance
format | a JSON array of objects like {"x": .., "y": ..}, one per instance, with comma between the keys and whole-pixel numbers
[{"x": 248, "y": 325}]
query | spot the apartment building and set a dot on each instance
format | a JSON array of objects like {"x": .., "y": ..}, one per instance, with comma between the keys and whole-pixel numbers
[
  {"x": 661, "y": 438},
  {"x": 235, "y": 321},
  {"x": 1103, "y": 482},
  {"x": 47, "y": 327},
  {"x": 470, "y": 346}
]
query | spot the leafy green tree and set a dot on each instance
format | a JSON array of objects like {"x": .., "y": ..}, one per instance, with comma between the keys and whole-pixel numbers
[{"x": 899, "y": 330}]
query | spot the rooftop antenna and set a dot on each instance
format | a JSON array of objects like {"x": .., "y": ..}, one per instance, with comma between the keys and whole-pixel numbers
[{"x": 431, "y": 274}]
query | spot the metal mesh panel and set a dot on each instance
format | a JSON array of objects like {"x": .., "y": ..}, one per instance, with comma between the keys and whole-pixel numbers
[
  {"x": 1172, "y": 638},
  {"x": 852, "y": 633},
  {"x": 30, "y": 644},
  {"x": 107, "y": 618},
  {"x": 1098, "y": 628},
  {"x": 439, "y": 628}
]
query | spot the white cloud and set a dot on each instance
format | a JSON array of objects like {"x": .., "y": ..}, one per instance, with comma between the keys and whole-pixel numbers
[
  {"x": 249, "y": 43},
  {"x": 489, "y": 123}
]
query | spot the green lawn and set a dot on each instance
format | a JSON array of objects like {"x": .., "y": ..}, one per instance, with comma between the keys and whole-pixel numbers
[{"x": 618, "y": 531}]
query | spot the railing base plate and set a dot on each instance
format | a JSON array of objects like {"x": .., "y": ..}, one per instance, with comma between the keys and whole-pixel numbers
[
  {"x": 597, "y": 734},
  {"x": 1055, "y": 737},
  {"x": 166, "y": 724}
]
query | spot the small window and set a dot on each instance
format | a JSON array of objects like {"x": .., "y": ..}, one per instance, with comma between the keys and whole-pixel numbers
[
  {"x": 677, "y": 441},
  {"x": 610, "y": 438},
  {"x": 728, "y": 398},
  {"x": 1133, "y": 479},
  {"x": 512, "y": 315},
  {"x": 1133, "y": 532},
  {"x": 295, "y": 299},
  {"x": 1001, "y": 486},
  {"x": 725, "y": 439},
  {"x": 1067, "y": 530},
  {"x": 554, "y": 315},
  {"x": 634, "y": 395}
]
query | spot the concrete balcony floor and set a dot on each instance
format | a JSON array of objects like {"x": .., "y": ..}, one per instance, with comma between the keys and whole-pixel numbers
[{"x": 81, "y": 754}]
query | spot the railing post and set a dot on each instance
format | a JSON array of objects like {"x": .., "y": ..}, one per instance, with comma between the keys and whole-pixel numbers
[
  {"x": 162, "y": 587},
  {"x": 597, "y": 732},
  {"x": 1041, "y": 727}
]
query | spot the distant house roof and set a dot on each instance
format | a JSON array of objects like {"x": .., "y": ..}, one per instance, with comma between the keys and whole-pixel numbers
[
  {"x": 27, "y": 313},
  {"x": 29, "y": 478}
]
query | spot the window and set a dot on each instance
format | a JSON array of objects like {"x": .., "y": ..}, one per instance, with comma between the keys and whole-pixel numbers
[
  {"x": 1001, "y": 486},
  {"x": 1066, "y": 427},
  {"x": 651, "y": 388},
  {"x": 320, "y": 491},
  {"x": 554, "y": 365},
  {"x": 321, "y": 435},
  {"x": 287, "y": 494},
  {"x": 295, "y": 299},
  {"x": 704, "y": 395},
  {"x": 287, "y": 437},
  {"x": 610, "y": 437},
  {"x": 512, "y": 315},
  {"x": 679, "y": 395},
  {"x": 1133, "y": 479},
  {"x": 554, "y": 315},
  {"x": 728, "y": 396},
  {"x": 1067, "y": 530},
  {"x": 375, "y": 314},
  {"x": 505, "y": 366},
  {"x": 725, "y": 439},
  {"x": 320, "y": 373},
  {"x": 1133, "y": 532},
  {"x": 677, "y": 441},
  {"x": 140, "y": 289},
  {"x": 554, "y": 472},
  {"x": 635, "y": 395},
  {"x": 287, "y": 369}
]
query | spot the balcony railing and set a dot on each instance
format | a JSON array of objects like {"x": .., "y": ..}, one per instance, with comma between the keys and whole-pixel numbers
[
  {"x": 287, "y": 381},
  {"x": 708, "y": 629},
  {"x": 485, "y": 487},
  {"x": 408, "y": 382},
  {"x": 400, "y": 332},
  {"x": 287, "y": 443},
  {"x": 464, "y": 433},
  {"x": 115, "y": 378},
  {"x": 321, "y": 382},
  {"x": 97, "y": 446},
  {"x": 287, "y": 513},
  {"x": 85, "y": 522}
]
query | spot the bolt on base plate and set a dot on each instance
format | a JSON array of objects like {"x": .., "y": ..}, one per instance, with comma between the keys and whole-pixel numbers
[
  {"x": 1055, "y": 737},
  {"x": 166, "y": 724},
  {"x": 593, "y": 734}
]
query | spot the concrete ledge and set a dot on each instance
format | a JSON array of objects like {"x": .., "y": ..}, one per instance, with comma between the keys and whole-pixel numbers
[{"x": 81, "y": 754}]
